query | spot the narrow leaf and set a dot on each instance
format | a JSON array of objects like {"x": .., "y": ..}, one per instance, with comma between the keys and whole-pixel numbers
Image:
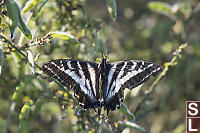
[
  {"x": 125, "y": 111},
  {"x": 64, "y": 36},
  {"x": 18, "y": 92},
  {"x": 162, "y": 8},
  {"x": 23, "y": 117},
  {"x": 40, "y": 9},
  {"x": 30, "y": 56},
  {"x": 100, "y": 128},
  {"x": 129, "y": 124},
  {"x": 36, "y": 57},
  {"x": 13, "y": 20},
  {"x": 30, "y": 5},
  {"x": 31, "y": 60},
  {"x": 1, "y": 55},
  {"x": 112, "y": 8},
  {"x": 24, "y": 126},
  {"x": 20, "y": 64},
  {"x": 23, "y": 27}
]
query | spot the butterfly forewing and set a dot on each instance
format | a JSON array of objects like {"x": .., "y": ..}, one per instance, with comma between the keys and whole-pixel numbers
[
  {"x": 126, "y": 74},
  {"x": 80, "y": 75},
  {"x": 86, "y": 77}
]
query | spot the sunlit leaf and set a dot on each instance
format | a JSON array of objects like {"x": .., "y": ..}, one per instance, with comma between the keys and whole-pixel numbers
[
  {"x": 31, "y": 60},
  {"x": 36, "y": 57},
  {"x": 30, "y": 56},
  {"x": 26, "y": 110},
  {"x": 112, "y": 8},
  {"x": 24, "y": 115},
  {"x": 129, "y": 124},
  {"x": 124, "y": 109},
  {"x": 12, "y": 10},
  {"x": 1, "y": 55},
  {"x": 30, "y": 5},
  {"x": 162, "y": 8},
  {"x": 41, "y": 9},
  {"x": 18, "y": 92},
  {"x": 64, "y": 36}
]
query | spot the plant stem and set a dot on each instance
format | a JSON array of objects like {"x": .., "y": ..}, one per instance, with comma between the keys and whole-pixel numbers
[{"x": 154, "y": 84}]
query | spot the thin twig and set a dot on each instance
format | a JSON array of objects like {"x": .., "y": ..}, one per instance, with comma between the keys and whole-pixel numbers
[{"x": 17, "y": 49}]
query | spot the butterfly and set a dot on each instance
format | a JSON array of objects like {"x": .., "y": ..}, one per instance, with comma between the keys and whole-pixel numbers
[{"x": 100, "y": 85}]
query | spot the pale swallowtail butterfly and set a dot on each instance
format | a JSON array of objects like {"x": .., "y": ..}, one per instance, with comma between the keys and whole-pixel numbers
[{"x": 92, "y": 82}]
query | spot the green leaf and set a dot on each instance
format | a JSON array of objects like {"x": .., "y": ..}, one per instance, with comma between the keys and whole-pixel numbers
[
  {"x": 40, "y": 9},
  {"x": 31, "y": 60},
  {"x": 129, "y": 124},
  {"x": 12, "y": 9},
  {"x": 24, "y": 126},
  {"x": 20, "y": 64},
  {"x": 125, "y": 111},
  {"x": 64, "y": 36},
  {"x": 21, "y": 87},
  {"x": 1, "y": 55},
  {"x": 24, "y": 115},
  {"x": 18, "y": 92},
  {"x": 100, "y": 128},
  {"x": 112, "y": 8},
  {"x": 23, "y": 27},
  {"x": 30, "y": 56},
  {"x": 30, "y": 5},
  {"x": 162, "y": 8}
]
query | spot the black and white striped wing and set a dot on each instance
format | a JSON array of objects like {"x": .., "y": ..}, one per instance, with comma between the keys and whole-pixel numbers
[
  {"x": 126, "y": 74},
  {"x": 79, "y": 75}
]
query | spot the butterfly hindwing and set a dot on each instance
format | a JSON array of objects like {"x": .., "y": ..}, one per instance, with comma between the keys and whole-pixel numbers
[
  {"x": 79, "y": 75},
  {"x": 126, "y": 74}
]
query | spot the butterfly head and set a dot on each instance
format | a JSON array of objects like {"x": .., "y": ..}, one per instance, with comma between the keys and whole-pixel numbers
[{"x": 104, "y": 64}]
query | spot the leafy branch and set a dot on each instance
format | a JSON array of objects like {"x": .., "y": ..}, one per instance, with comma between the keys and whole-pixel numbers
[{"x": 173, "y": 62}]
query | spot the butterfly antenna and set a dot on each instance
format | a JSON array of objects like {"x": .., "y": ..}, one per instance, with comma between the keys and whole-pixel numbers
[{"x": 105, "y": 55}]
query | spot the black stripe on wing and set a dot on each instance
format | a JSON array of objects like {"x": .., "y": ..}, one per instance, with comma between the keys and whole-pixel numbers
[
  {"x": 79, "y": 75},
  {"x": 139, "y": 73},
  {"x": 126, "y": 74}
]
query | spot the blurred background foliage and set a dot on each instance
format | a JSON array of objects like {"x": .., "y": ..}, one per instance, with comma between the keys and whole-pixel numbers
[{"x": 85, "y": 29}]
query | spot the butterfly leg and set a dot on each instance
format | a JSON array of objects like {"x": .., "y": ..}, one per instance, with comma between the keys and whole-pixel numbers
[
  {"x": 108, "y": 112},
  {"x": 99, "y": 112}
]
